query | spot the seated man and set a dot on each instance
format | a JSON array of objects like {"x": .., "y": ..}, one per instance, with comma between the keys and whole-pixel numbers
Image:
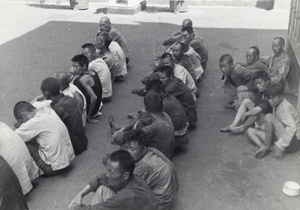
[
  {"x": 253, "y": 60},
  {"x": 252, "y": 110},
  {"x": 179, "y": 72},
  {"x": 15, "y": 152},
  {"x": 177, "y": 88},
  {"x": 46, "y": 137},
  {"x": 153, "y": 167},
  {"x": 234, "y": 81},
  {"x": 281, "y": 128},
  {"x": 279, "y": 63},
  {"x": 103, "y": 41},
  {"x": 118, "y": 189},
  {"x": 11, "y": 195},
  {"x": 105, "y": 26},
  {"x": 88, "y": 82},
  {"x": 65, "y": 107},
  {"x": 184, "y": 60},
  {"x": 100, "y": 67},
  {"x": 156, "y": 124},
  {"x": 117, "y": 51},
  {"x": 174, "y": 109},
  {"x": 68, "y": 89}
]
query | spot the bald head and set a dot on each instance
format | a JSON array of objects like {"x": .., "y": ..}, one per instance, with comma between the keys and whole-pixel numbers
[
  {"x": 63, "y": 79},
  {"x": 187, "y": 23},
  {"x": 104, "y": 24}
]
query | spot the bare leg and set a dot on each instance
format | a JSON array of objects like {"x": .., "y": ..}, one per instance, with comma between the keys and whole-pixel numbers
[
  {"x": 246, "y": 105},
  {"x": 256, "y": 136},
  {"x": 240, "y": 129}
]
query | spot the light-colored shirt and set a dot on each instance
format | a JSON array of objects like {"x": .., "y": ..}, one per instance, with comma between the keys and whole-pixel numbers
[
  {"x": 288, "y": 115},
  {"x": 196, "y": 61},
  {"x": 181, "y": 73},
  {"x": 70, "y": 91},
  {"x": 160, "y": 174},
  {"x": 15, "y": 152},
  {"x": 52, "y": 136},
  {"x": 119, "y": 55},
  {"x": 101, "y": 68},
  {"x": 117, "y": 36}
]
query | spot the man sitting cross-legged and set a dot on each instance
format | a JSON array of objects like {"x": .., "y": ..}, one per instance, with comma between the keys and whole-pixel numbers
[
  {"x": 281, "y": 128},
  {"x": 65, "y": 107},
  {"x": 118, "y": 189},
  {"x": 100, "y": 67},
  {"x": 68, "y": 89},
  {"x": 153, "y": 167},
  {"x": 156, "y": 124},
  {"x": 235, "y": 81},
  {"x": 174, "y": 109},
  {"x": 251, "y": 110},
  {"x": 88, "y": 82},
  {"x": 177, "y": 88},
  {"x": 46, "y": 137}
]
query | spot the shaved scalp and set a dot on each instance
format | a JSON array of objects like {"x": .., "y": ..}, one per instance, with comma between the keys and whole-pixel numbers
[
  {"x": 63, "y": 79},
  {"x": 105, "y": 19},
  {"x": 227, "y": 58},
  {"x": 255, "y": 50},
  {"x": 281, "y": 40},
  {"x": 187, "y": 23}
]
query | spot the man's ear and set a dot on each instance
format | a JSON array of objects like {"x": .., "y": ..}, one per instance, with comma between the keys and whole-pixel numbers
[
  {"x": 126, "y": 175},
  {"x": 84, "y": 67},
  {"x": 46, "y": 94}
]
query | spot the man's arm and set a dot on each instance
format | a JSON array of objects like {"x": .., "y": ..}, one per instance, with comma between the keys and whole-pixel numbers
[
  {"x": 88, "y": 82},
  {"x": 78, "y": 198},
  {"x": 79, "y": 100}
]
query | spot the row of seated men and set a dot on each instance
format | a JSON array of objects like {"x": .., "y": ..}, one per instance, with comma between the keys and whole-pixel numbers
[
  {"x": 50, "y": 130},
  {"x": 257, "y": 90}
]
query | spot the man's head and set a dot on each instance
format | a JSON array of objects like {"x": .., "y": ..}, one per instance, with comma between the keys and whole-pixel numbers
[
  {"x": 63, "y": 79},
  {"x": 135, "y": 142},
  {"x": 50, "y": 87},
  {"x": 252, "y": 55},
  {"x": 261, "y": 80},
  {"x": 80, "y": 63},
  {"x": 187, "y": 33},
  {"x": 104, "y": 24},
  {"x": 103, "y": 39},
  {"x": 156, "y": 86},
  {"x": 153, "y": 102},
  {"x": 24, "y": 111},
  {"x": 166, "y": 74},
  {"x": 275, "y": 94},
  {"x": 278, "y": 45},
  {"x": 167, "y": 60},
  {"x": 120, "y": 166},
  {"x": 178, "y": 50},
  {"x": 89, "y": 50},
  {"x": 226, "y": 64},
  {"x": 187, "y": 23}
]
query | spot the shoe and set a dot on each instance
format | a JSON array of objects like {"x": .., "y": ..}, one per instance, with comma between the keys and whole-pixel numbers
[{"x": 139, "y": 92}]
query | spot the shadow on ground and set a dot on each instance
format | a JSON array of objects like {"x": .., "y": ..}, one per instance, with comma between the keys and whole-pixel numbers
[{"x": 216, "y": 171}]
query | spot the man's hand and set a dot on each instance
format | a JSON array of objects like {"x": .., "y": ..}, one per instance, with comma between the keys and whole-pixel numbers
[{"x": 75, "y": 201}]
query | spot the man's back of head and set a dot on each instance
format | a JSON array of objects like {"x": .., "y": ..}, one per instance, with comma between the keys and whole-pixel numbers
[
  {"x": 63, "y": 79},
  {"x": 50, "y": 87},
  {"x": 187, "y": 23},
  {"x": 153, "y": 102},
  {"x": 21, "y": 108}
]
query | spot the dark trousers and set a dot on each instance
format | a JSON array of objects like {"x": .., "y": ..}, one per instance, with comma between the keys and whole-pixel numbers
[{"x": 33, "y": 148}]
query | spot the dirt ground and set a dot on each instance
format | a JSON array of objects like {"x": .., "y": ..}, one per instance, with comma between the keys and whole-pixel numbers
[{"x": 217, "y": 170}]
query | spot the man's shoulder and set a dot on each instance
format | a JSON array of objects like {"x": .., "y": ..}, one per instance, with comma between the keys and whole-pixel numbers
[{"x": 114, "y": 33}]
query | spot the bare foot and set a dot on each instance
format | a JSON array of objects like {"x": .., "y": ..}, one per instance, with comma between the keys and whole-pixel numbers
[
  {"x": 237, "y": 129},
  {"x": 226, "y": 129}
]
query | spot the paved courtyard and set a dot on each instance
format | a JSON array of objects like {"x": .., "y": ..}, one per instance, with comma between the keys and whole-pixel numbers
[{"x": 217, "y": 170}]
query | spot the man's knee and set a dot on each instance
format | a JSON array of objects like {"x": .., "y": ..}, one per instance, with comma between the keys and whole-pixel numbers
[
  {"x": 247, "y": 102},
  {"x": 250, "y": 131},
  {"x": 269, "y": 118}
]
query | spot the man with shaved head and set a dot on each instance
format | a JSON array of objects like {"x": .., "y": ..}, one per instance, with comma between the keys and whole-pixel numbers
[
  {"x": 105, "y": 26},
  {"x": 279, "y": 63}
]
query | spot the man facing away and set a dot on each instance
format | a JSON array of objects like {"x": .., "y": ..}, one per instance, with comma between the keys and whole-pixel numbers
[
  {"x": 118, "y": 189},
  {"x": 65, "y": 107},
  {"x": 46, "y": 137}
]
